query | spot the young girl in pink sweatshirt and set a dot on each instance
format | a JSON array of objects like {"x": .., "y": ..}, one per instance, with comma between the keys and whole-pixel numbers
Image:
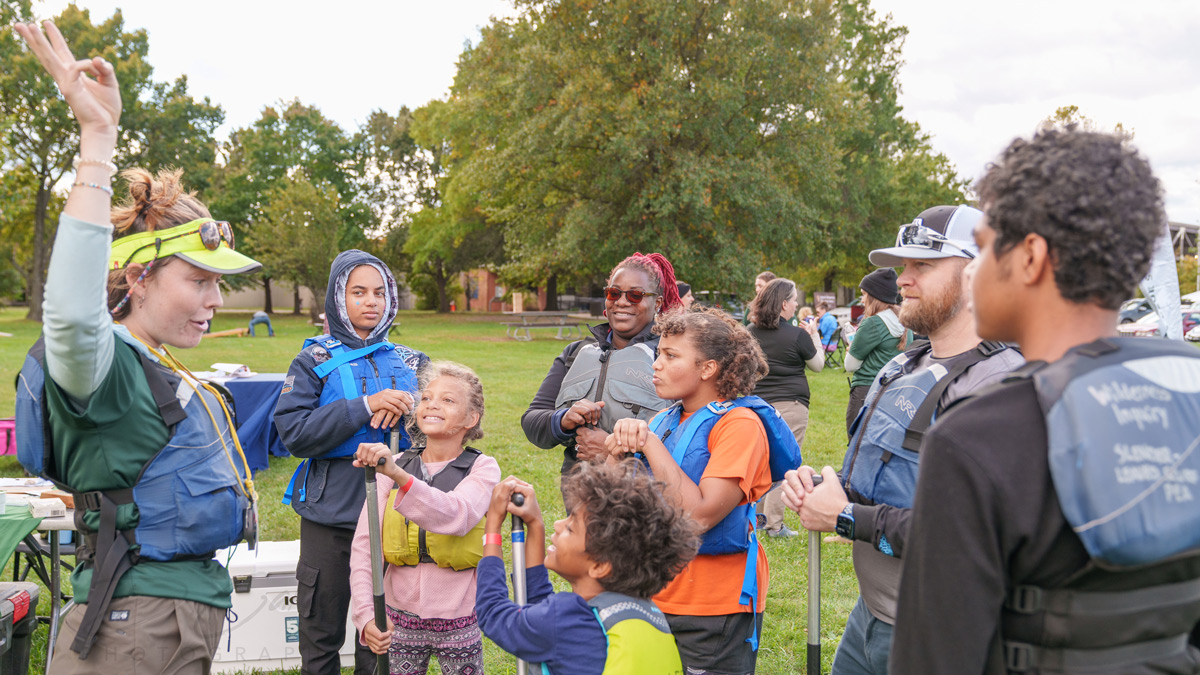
[{"x": 432, "y": 502}]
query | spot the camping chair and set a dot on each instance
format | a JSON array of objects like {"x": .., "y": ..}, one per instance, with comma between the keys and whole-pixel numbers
[{"x": 834, "y": 349}]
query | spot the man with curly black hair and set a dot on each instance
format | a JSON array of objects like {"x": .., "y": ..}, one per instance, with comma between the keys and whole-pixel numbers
[
  {"x": 621, "y": 542},
  {"x": 1055, "y": 527}
]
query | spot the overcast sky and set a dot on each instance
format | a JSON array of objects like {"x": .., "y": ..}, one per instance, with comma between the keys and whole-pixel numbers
[{"x": 975, "y": 74}]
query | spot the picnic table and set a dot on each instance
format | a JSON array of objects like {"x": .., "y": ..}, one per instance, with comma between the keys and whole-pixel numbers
[{"x": 565, "y": 327}]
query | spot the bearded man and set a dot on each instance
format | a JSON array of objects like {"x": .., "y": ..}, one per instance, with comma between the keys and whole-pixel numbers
[{"x": 870, "y": 501}]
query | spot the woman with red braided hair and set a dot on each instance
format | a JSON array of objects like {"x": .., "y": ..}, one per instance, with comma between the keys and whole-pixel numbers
[{"x": 607, "y": 376}]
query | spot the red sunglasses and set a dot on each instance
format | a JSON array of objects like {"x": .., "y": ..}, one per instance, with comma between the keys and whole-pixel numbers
[{"x": 613, "y": 294}]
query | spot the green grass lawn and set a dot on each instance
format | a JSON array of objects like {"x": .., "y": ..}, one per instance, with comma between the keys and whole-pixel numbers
[{"x": 511, "y": 372}]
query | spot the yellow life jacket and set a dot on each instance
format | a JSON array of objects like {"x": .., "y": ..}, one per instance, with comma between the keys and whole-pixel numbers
[
  {"x": 406, "y": 543},
  {"x": 639, "y": 639}
]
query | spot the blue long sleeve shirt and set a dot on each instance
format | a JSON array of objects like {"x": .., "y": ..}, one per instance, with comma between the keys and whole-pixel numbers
[{"x": 557, "y": 629}]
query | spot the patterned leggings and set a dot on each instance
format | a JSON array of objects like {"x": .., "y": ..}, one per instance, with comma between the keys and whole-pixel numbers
[{"x": 457, "y": 643}]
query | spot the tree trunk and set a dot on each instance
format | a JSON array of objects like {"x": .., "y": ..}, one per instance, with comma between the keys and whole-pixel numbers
[
  {"x": 37, "y": 275},
  {"x": 267, "y": 307},
  {"x": 296, "y": 301},
  {"x": 552, "y": 293},
  {"x": 314, "y": 312},
  {"x": 443, "y": 281}
]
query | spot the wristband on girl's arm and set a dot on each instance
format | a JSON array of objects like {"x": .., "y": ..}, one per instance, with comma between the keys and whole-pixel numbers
[
  {"x": 493, "y": 538},
  {"x": 408, "y": 485}
]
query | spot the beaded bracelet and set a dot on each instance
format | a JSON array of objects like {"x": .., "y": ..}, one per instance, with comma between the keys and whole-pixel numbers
[
  {"x": 112, "y": 168},
  {"x": 95, "y": 185}
]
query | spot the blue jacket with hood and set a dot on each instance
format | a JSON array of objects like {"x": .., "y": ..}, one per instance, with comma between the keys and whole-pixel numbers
[{"x": 309, "y": 429}]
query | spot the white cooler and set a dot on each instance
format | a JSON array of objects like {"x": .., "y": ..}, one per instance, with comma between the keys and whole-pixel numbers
[{"x": 264, "y": 627}]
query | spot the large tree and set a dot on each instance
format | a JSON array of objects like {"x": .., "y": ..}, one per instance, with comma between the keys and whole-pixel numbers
[
  {"x": 730, "y": 135},
  {"x": 292, "y": 142},
  {"x": 299, "y": 233},
  {"x": 161, "y": 124}
]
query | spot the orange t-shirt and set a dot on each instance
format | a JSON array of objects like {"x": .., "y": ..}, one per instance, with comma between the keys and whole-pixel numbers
[{"x": 710, "y": 584}]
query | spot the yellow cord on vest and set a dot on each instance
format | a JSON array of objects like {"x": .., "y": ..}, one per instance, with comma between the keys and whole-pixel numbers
[{"x": 168, "y": 359}]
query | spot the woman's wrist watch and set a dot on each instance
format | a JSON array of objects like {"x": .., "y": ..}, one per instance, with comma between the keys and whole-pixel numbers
[{"x": 845, "y": 522}]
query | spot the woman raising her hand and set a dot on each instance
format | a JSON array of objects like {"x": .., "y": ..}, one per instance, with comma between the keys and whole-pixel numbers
[{"x": 148, "y": 451}]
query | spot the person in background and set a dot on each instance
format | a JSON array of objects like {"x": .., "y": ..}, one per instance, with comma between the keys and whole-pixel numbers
[
  {"x": 685, "y": 294},
  {"x": 804, "y": 316},
  {"x": 760, "y": 282},
  {"x": 789, "y": 350},
  {"x": 879, "y": 338},
  {"x": 827, "y": 323},
  {"x": 260, "y": 317}
]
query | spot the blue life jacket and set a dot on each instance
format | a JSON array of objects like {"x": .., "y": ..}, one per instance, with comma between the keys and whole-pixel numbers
[
  {"x": 189, "y": 495},
  {"x": 355, "y": 373},
  {"x": 688, "y": 446},
  {"x": 1123, "y": 424},
  {"x": 881, "y": 463},
  {"x": 32, "y": 434},
  {"x": 1123, "y": 434}
]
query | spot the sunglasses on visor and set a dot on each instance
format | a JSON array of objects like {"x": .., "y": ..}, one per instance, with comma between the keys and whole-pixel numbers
[
  {"x": 212, "y": 233},
  {"x": 635, "y": 297},
  {"x": 924, "y": 237}
]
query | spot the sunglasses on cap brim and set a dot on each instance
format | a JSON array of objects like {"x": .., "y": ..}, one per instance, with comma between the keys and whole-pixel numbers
[
  {"x": 212, "y": 233},
  {"x": 915, "y": 234}
]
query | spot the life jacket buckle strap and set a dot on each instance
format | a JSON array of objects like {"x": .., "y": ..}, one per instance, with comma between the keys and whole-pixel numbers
[
  {"x": 1025, "y": 600},
  {"x": 1019, "y": 657}
]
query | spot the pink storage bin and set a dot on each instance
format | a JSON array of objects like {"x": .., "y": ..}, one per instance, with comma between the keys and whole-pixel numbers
[{"x": 8, "y": 436}]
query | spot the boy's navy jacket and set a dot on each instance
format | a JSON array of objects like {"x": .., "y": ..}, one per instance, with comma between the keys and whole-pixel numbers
[
  {"x": 557, "y": 629},
  {"x": 336, "y": 489}
]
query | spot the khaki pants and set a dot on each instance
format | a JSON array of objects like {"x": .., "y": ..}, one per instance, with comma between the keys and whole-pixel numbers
[
  {"x": 157, "y": 635},
  {"x": 795, "y": 414}
]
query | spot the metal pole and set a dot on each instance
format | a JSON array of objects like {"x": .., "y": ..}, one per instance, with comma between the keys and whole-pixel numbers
[
  {"x": 518, "y": 555},
  {"x": 813, "y": 658},
  {"x": 382, "y": 667}
]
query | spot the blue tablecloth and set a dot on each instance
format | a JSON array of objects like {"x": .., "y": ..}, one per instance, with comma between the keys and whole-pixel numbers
[{"x": 255, "y": 398}]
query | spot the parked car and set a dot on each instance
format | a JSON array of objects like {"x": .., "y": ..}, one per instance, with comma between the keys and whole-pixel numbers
[
  {"x": 1132, "y": 310},
  {"x": 1148, "y": 324},
  {"x": 1192, "y": 335},
  {"x": 722, "y": 300}
]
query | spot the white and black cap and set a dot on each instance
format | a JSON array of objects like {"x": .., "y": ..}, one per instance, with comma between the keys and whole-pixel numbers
[{"x": 939, "y": 232}]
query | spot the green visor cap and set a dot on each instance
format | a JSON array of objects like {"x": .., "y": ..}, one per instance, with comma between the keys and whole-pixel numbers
[{"x": 205, "y": 243}]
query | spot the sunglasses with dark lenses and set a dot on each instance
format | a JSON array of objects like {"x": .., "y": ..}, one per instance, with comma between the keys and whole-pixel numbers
[
  {"x": 919, "y": 235},
  {"x": 613, "y": 294},
  {"x": 212, "y": 233}
]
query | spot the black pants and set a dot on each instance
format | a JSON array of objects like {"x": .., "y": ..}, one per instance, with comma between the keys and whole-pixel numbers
[
  {"x": 323, "y": 598},
  {"x": 716, "y": 645},
  {"x": 858, "y": 396}
]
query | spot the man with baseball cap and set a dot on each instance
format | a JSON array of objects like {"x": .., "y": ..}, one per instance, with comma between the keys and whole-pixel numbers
[{"x": 870, "y": 501}]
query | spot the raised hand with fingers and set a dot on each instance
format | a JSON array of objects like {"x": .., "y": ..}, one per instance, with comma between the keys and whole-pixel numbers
[{"x": 88, "y": 85}]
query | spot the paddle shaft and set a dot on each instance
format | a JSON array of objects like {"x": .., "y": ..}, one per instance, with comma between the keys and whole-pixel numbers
[
  {"x": 518, "y": 555},
  {"x": 813, "y": 658}
]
